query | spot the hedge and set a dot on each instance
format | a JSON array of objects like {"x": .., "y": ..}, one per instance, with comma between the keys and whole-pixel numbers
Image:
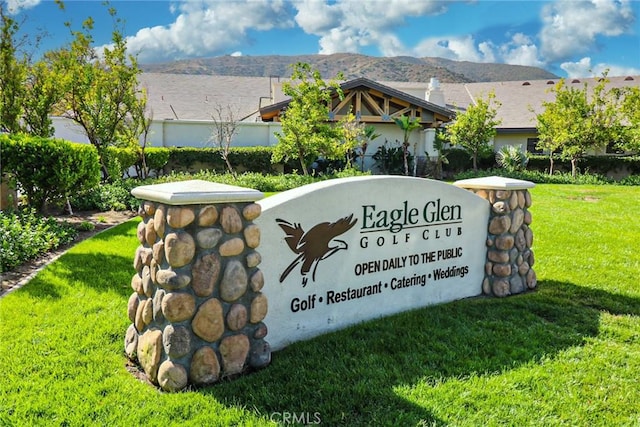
[
  {"x": 49, "y": 170},
  {"x": 253, "y": 159},
  {"x": 603, "y": 165},
  {"x": 120, "y": 160},
  {"x": 459, "y": 160}
]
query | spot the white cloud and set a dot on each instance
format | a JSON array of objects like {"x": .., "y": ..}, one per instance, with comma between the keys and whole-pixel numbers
[
  {"x": 583, "y": 68},
  {"x": 15, "y": 6},
  {"x": 349, "y": 25},
  {"x": 461, "y": 48},
  {"x": 571, "y": 27},
  {"x": 518, "y": 51},
  {"x": 521, "y": 50},
  {"x": 206, "y": 28}
]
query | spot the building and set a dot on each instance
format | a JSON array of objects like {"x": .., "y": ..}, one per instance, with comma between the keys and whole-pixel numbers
[{"x": 182, "y": 106}]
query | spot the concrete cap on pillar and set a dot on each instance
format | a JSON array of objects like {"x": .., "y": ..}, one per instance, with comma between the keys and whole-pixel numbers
[
  {"x": 195, "y": 192},
  {"x": 494, "y": 183}
]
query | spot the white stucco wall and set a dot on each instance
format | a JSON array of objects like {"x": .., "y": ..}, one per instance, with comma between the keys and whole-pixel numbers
[{"x": 191, "y": 133}]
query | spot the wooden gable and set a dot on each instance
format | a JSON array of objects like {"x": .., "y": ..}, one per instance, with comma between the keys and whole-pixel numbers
[{"x": 372, "y": 102}]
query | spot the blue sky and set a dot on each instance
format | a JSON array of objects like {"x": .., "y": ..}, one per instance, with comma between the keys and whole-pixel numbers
[{"x": 572, "y": 38}]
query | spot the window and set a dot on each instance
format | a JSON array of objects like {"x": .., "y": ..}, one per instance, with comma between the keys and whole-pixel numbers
[
  {"x": 613, "y": 149},
  {"x": 531, "y": 146}
]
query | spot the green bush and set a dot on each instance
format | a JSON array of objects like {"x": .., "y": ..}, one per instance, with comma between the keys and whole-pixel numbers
[
  {"x": 459, "y": 160},
  {"x": 389, "y": 159},
  {"x": 256, "y": 181},
  {"x": 25, "y": 235},
  {"x": 250, "y": 159},
  {"x": 512, "y": 158},
  {"x": 108, "y": 196},
  {"x": 49, "y": 170},
  {"x": 156, "y": 158},
  {"x": 119, "y": 160},
  {"x": 539, "y": 177},
  {"x": 603, "y": 165}
]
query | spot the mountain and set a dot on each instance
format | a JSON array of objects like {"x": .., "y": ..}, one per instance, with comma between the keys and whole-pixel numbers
[{"x": 399, "y": 68}]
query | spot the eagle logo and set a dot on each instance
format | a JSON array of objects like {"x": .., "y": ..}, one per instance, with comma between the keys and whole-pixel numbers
[{"x": 315, "y": 245}]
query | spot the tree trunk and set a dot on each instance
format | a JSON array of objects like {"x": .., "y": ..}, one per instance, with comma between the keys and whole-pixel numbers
[
  {"x": 574, "y": 167},
  {"x": 415, "y": 159},
  {"x": 475, "y": 162},
  {"x": 551, "y": 164},
  {"x": 405, "y": 152},
  {"x": 302, "y": 165},
  {"x": 231, "y": 171},
  {"x": 364, "y": 150}
]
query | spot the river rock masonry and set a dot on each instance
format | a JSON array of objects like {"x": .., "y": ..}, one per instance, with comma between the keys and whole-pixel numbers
[{"x": 197, "y": 309}]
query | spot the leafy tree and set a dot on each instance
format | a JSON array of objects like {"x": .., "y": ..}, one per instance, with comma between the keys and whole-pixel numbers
[
  {"x": 352, "y": 133},
  {"x": 474, "y": 128},
  {"x": 100, "y": 90},
  {"x": 407, "y": 125},
  {"x": 42, "y": 93},
  {"x": 12, "y": 75},
  {"x": 306, "y": 132},
  {"x": 441, "y": 155},
  {"x": 136, "y": 129},
  {"x": 576, "y": 121},
  {"x": 631, "y": 111},
  {"x": 225, "y": 126}
]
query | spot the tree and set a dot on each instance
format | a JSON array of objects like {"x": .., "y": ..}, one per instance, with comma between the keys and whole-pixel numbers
[
  {"x": 99, "y": 90},
  {"x": 352, "y": 133},
  {"x": 576, "y": 121},
  {"x": 135, "y": 130},
  {"x": 12, "y": 75},
  {"x": 548, "y": 140},
  {"x": 42, "y": 93},
  {"x": 225, "y": 126},
  {"x": 631, "y": 111},
  {"x": 474, "y": 128},
  {"x": 407, "y": 125},
  {"x": 439, "y": 142},
  {"x": 306, "y": 131}
]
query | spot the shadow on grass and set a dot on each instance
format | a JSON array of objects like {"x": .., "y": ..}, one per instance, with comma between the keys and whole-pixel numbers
[
  {"x": 349, "y": 377},
  {"x": 97, "y": 263}
]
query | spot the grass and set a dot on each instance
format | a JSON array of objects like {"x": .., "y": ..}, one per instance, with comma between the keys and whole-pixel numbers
[{"x": 567, "y": 354}]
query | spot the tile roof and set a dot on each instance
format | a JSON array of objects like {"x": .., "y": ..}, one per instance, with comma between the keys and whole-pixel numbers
[
  {"x": 194, "y": 97},
  {"x": 517, "y": 98}
]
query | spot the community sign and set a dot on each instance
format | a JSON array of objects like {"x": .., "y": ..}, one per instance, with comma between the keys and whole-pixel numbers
[{"x": 342, "y": 251}]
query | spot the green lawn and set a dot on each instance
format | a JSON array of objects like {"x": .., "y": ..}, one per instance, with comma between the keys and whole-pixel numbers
[{"x": 567, "y": 354}]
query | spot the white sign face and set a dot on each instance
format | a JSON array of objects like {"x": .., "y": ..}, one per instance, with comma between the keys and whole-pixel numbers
[{"x": 343, "y": 251}]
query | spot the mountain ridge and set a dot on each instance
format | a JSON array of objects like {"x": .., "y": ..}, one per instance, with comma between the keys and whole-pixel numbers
[{"x": 352, "y": 65}]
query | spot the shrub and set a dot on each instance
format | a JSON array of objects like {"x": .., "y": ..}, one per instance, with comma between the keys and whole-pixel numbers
[
  {"x": 389, "y": 159},
  {"x": 251, "y": 159},
  {"x": 603, "y": 165},
  {"x": 459, "y": 160},
  {"x": 108, "y": 196},
  {"x": 49, "y": 170},
  {"x": 156, "y": 158},
  {"x": 119, "y": 160},
  {"x": 539, "y": 177},
  {"x": 25, "y": 235},
  {"x": 511, "y": 158}
]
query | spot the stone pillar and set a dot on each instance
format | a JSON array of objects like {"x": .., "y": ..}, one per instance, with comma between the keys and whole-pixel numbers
[
  {"x": 509, "y": 265},
  {"x": 197, "y": 306}
]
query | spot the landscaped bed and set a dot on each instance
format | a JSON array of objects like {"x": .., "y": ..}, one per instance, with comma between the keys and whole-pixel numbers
[{"x": 568, "y": 353}]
